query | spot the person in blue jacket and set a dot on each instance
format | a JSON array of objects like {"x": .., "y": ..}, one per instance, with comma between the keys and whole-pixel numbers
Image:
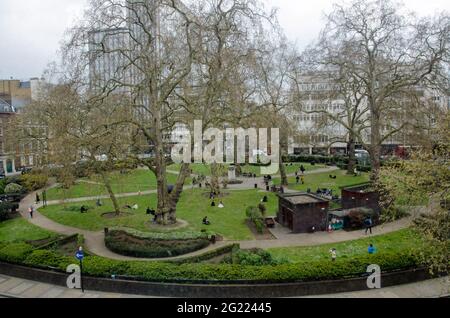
[{"x": 371, "y": 249}]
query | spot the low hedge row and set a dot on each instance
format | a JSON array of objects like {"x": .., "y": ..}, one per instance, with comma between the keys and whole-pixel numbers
[
  {"x": 165, "y": 236},
  {"x": 145, "y": 245},
  {"x": 168, "y": 272},
  {"x": 155, "y": 249},
  {"x": 316, "y": 159}
]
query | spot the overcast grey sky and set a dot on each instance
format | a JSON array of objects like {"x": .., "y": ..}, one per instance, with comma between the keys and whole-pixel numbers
[{"x": 31, "y": 30}]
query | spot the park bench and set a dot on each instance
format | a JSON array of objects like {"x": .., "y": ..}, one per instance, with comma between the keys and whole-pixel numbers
[{"x": 270, "y": 223}]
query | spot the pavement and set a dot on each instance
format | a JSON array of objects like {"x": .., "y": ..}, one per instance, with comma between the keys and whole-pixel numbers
[{"x": 12, "y": 287}]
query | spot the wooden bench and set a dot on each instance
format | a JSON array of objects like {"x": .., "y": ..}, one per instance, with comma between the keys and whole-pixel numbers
[{"x": 270, "y": 223}]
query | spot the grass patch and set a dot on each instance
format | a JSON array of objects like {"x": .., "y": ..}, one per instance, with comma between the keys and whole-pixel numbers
[
  {"x": 396, "y": 242},
  {"x": 228, "y": 222},
  {"x": 322, "y": 180},
  {"x": 20, "y": 230},
  {"x": 134, "y": 181}
]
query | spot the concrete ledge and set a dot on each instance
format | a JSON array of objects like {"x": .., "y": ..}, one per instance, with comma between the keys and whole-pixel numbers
[{"x": 213, "y": 290}]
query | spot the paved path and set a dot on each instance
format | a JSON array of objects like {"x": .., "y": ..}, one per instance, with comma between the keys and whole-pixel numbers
[
  {"x": 435, "y": 288},
  {"x": 21, "y": 288}
]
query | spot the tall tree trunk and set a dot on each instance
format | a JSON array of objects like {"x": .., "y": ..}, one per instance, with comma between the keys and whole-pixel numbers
[
  {"x": 160, "y": 171},
  {"x": 112, "y": 196},
  {"x": 176, "y": 194},
  {"x": 351, "y": 155},
  {"x": 283, "y": 174},
  {"x": 375, "y": 143},
  {"x": 215, "y": 176}
]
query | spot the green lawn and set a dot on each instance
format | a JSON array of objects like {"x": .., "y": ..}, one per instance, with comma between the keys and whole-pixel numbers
[
  {"x": 19, "y": 229},
  {"x": 193, "y": 207},
  {"x": 322, "y": 180},
  {"x": 134, "y": 181},
  {"x": 402, "y": 240}
]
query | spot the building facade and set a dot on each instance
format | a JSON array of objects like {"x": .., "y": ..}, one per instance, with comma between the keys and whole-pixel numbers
[
  {"x": 318, "y": 136},
  {"x": 14, "y": 96}
]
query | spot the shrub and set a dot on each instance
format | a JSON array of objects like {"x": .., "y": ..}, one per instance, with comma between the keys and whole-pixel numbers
[
  {"x": 394, "y": 213},
  {"x": 48, "y": 258},
  {"x": 170, "y": 236},
  {"x": 33, "y": 182},
  {"x": 262, "y": 209},
  {"x": 254, "y": 257},
  {"x": 155, "y": 245},
  {"x": 15, "y": 252},
  {"x": 6, "y": 208},
  {"x": 13, "y": 188},
  {"x": 309, "y": 270},
  {"x": 255, "y": 216},
  {"x": 3, "y": 184}
]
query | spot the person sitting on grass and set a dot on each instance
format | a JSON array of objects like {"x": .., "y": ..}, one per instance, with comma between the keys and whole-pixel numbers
[
  {"x": 221, "y": 205},
  {"x": 206, "y": 221},
  {"x": 333, "y": 253},
  {"x": 371, "y": 249},
  {"x": 213, "y": 204}
]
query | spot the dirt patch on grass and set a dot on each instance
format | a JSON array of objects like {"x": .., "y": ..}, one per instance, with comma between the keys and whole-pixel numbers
[
  {"x": 113, "y": 215},
  {"x": 266, "y": 235},
  {"x": 180, "y": 224}
]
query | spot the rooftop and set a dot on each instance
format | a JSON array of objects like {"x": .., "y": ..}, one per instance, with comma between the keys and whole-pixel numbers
[{"x": 302, "y": 198}]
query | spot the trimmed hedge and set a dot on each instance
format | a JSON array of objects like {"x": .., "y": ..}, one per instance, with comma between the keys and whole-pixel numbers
[
  {"x": 15, "y": 252},
  {"x": 313, "y": 270},
  {"x": 316, "y": 159},
  {"x": 154, "y": 245},
  {"x": 168, "y": 236}
]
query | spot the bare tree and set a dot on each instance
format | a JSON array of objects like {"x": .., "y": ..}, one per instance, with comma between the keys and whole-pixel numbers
[{"x": 388, "y": 53}]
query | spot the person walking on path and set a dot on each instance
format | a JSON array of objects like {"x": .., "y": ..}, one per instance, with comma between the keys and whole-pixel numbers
[
  {"x": 333, "y": 253},
  {"x": 44, "y": 198},
  {"x": 31, "y": 211},
  {"x": 297, "y": 178},
  {"x": 369, "y": 224},
  {"x": 38, "y": 199},
  {"x": 302, "y": 169}
]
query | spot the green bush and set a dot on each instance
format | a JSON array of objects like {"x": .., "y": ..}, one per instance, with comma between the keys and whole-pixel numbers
[
  {"x": 309, "y": 270},
  {"x": 33, "y": 182},
  {"x": 254, "y": 214},
  {"x": 48, "y": 258},
  {"x": 6, "y": 208},
  {"x": 254, "y": 257},
  {"x": 155, "y": 245},
  {"x": 15, "y": 252},
  {"x": 13, "y": 188},
  {"x": 169, "y": 236},
  {"x": 3, "y": 184}
]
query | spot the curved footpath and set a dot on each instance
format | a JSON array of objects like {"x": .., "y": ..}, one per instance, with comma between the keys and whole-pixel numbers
[{"x": 94, "y": 241}]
